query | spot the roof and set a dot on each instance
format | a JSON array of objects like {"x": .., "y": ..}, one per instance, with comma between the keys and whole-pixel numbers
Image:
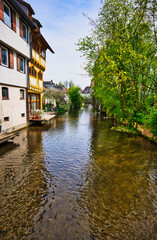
[
  {"x": 46, "y": 43},
  {"x": 87, "y": 90},
  {"x": 28, "y": 5},
  {"x": 44, "y": 88},
  {"x": 50, "y": 84},
  {"x": 60, "y": 87},
  {"x": 37, "y": 21},
  {"x": 17, "y": 7},
  {"x": 42, "y": 40}
]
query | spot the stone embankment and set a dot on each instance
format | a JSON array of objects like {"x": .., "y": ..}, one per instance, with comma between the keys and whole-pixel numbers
[{"x": 141, "y": 130}]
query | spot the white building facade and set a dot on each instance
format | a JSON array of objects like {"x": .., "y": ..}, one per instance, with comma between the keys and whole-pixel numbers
[{"x": 15, "y": 53}]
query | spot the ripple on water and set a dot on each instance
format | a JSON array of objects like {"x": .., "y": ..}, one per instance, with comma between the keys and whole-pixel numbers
[{"x": 75, "y": 179}]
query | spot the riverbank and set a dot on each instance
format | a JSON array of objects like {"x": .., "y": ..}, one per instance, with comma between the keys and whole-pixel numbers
[{"x": 140, "y": 131}]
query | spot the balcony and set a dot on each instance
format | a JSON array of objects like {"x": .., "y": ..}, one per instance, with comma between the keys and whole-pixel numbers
[
  {"x": 35, "y": 84},
  {"x": 40, "y": 61}
]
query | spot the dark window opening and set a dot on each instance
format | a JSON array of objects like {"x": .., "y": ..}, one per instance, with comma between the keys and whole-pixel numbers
[
  {"x": 4, "y": 56},
  {"x": 22, "y": 64},
  {"x": 6, "y": 119},
  {"x": 22, "y": 95},
  {"x": 5, "y": 95}
]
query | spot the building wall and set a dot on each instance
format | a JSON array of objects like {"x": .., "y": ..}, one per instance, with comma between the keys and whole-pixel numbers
[
  {"x": 13, "y": 108},
  {"x": 13, "y": 79},
  {"x": 13, "y": 39},
  {"x": 12, "y": 76}
]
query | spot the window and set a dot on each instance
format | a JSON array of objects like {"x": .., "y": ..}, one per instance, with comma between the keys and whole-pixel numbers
[
  {"x": 4, "y": 56},
  {"x": 43, "y": 53},
  {"x": 7, "y": 15},
  {"x": 5, "y": 95},
  {"x": 22, "y": 114},
  {"x": 24, "y": 32},
  {"x": 33, "y": 72},
  {"x": 40, "y": 76},
  {"x": 22, "y": 95},
  {"x": 6, "y": 119},
  {"x": 22, "y": 64}
]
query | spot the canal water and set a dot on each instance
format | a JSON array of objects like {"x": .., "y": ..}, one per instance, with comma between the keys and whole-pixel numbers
[{"x": 76, "y": 179}]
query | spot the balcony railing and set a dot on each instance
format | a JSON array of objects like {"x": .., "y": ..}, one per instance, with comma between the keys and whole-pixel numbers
[
  {"x": 35, "y": 83},
  {"x": 40, "y": 60}
]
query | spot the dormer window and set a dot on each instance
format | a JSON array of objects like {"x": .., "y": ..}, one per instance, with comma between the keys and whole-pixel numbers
[{"x": 7, "y": 15}]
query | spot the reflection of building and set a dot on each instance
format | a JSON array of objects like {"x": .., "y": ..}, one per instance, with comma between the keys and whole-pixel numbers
[
  {"x": 15, "y": 40},
  {"x": 36, "y": 68},
  {"x": 23, "y": 182}
]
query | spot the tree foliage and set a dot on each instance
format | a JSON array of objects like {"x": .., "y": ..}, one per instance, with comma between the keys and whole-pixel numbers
[
  {"x": 55, "y": 94},
  {"x": 121, "y": 54},
  {"x": 75, "y": 97}
]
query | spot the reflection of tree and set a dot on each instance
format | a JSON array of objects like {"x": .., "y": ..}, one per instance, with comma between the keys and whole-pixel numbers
[
  {"x": 116, "y": 188},
  {"x": 25, "y": 187}
]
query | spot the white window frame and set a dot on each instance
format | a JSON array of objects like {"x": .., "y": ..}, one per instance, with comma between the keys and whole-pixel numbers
[
  {"x": 9, "y": 14},
  {"x": 22, "y": 71},
  {"x": 26, "y": 31},
  {"x": 6, "y": 65}
]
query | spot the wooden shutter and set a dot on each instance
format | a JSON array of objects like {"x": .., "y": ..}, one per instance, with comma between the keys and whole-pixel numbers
[
  {"x": 14, "y": 21},
  {"x": 0, "y": 55},
  {"x": 18, "y": 62},
  {"x": 1, "y": 10},
  {"x": 21, "y": 29},
  {"x": 11, "y": 59}
]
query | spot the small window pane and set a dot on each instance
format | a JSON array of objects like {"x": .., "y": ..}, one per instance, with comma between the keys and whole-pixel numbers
[
  {"x": 4, "y": 55},
  {"x": 21, "y": 94},
  {"x": 4, "y": 93},
  {"x": 7, "y": 18},
  {"x": 25, "y": 32},
  {"x": 21, "y": 64},
  {"x": 32, "y": 106}
]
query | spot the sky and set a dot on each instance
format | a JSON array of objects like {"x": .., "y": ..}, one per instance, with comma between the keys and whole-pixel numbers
[{"x": 63, "y": 25}]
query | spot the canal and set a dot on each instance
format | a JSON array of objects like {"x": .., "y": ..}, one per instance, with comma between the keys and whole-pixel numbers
[{"x": 76, "y": 179}]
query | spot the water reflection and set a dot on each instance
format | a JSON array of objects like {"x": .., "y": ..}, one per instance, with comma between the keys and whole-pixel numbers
[
  {"x": 75, "y": 179},
  {"x": 23, "y": 186},
  {"x": 120, "y": 197}
]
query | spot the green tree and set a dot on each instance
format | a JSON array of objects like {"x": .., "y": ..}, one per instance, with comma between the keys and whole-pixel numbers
[
  {"x": 66, "y": 84},
  {"x": 71, "y": 83},
  {"x": 60, "y": 83},
  {"x": 55, "y": 94},
  {"x": 121, "y": 58},
  {"x": 75, "y": 97}
]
